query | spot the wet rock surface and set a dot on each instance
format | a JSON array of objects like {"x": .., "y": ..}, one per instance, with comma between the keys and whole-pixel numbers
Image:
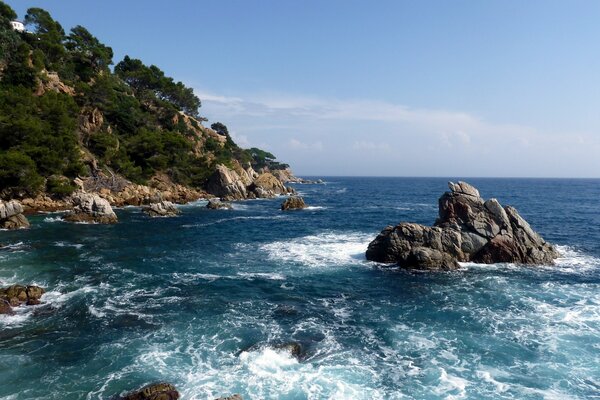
[
  {"x": 467, "y": 229},
  {"x": 293, "y": 203},
  {"x": 155, "y": 391},
  {"x": 18, "y": 295}
]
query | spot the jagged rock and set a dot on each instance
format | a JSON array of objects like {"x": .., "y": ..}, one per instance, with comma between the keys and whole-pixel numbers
[
  {"x": 162, "y": 209},
  {"x": 232, "y": 397},
  {"x": 468, "y": 229},
  {"x": 90, "y": 207},
  {"x": 216, "y": 204},
  {"x": 293, "y": 203},
  {"x": 17, "y": 295},
  {"x": 266, "y": 185},
  {"x": 227, "y": 184},
  {"x": 11, "y": 215},
  {"x": 155, "y": 391}
]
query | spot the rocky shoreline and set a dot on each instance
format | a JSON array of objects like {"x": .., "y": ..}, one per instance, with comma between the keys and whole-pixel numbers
[{"x": 96, "y": 196}]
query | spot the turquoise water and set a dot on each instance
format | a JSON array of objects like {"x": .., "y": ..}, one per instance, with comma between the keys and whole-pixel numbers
[{"x": 197, "y": 300}]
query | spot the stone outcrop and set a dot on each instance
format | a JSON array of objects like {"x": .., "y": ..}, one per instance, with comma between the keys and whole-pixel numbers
[
  {"x": 216, "y": 204},
  {"x": 468, "y": 229},
  {"x": 238, "y": 184},
  {"x": 90, "y": 207},
  {"x": 155, "y": 391},
  {"x": 232, "y": 397},
  {"x": 161, "y": 209},
  {"x": 293, "y": 203},
  {"x": 287, "y": 176},
  {"x": 11, "y": 215},
  {"x": 17, "y": 295}
]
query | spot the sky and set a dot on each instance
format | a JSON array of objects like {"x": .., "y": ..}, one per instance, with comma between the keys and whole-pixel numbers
[{"x": 498, "y": 88}]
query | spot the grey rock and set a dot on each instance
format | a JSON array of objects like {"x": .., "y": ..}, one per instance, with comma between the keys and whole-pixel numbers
[
  {"x": 216, "y": 204},
  {"x": 90, "y": 207},
  {"x": 11, "y": 215},
  {"x": 467, "y": 229},
  {"x": 161, "y": 209}
]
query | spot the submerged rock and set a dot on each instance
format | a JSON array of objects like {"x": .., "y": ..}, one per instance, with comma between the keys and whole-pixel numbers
[
  {"x": 468, "y": 229},
  {"x": 293, "y": 203},
  {"x": 155, "y": 391},
  {"x": 161, "y": 209},
  {"x": 11, "y": 215},
  {"x": 232, "y": 397},
  {"x": 89, "y": 207},
  {"x": 17, "y": 295},
  {"x": 216, "y": 204}
]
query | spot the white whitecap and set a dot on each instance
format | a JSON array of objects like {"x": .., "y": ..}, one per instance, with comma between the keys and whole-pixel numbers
[{"x": 320, "y": 250}]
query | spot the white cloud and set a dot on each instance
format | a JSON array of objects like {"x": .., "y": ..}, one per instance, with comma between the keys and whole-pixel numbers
[{"x": 386, "y": 138}]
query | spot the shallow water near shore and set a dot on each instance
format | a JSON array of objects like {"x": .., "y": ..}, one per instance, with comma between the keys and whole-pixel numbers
[{"x": 197, "y": 299}]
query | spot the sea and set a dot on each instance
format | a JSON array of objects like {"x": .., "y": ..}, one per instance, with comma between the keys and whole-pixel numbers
[{"x": 209, "y": 300}]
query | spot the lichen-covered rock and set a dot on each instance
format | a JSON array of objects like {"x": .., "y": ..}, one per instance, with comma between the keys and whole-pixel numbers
[
  {"x": 90, "y": 207},
  {"x": 468, "y": 229},
  {"x": 17, "y": 295},
  {"x": 11, "y": 215},
  {"x": 161, "y": 209},
  {"x": 155, "y": 391},
  {"x": 293, "y": 203},
  {"x": 216, "y": 204}
]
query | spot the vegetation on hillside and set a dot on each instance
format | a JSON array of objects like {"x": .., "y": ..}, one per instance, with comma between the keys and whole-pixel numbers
[{"x": 139, "y": 127}]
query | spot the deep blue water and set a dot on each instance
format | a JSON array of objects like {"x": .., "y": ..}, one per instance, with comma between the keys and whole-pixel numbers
[{"x": 194, "y": 301}]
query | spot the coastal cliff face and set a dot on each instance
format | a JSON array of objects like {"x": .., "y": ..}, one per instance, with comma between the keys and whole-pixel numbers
[
  {"x": 468, "y": 229},
  {"x": 238, "y": 184}
]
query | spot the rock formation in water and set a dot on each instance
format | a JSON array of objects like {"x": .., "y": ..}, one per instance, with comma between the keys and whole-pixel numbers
[
  {"x": 238, "y": 184},
  {"x": 161, "y": 209},
  {"x": 293, "y": 203},
  {"x": 17, "y": 295},
  {"x": 232, "y": 397},
  {"x": 468, "y": 229},
  {"x": 155, "y": 391},
  {"x": 216, "y": 204},
  {"x": 90, "y": 207},
  {"x": 11, "y": 215}
]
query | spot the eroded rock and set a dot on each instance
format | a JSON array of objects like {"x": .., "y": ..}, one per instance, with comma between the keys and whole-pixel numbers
[
  {"x": 90, "y": 207},
  {"x": 11, "y": 215},
  {"x": 18, "y": 295},
  {"x": 468, "y": 229},
  {"x": 293, "y": 203},
  {"x": 155, "y": 391},
  {"x": 161, "y": 209}
]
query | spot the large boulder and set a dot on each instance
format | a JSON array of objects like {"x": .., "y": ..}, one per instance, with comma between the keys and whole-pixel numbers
[
  {"x": 17, "y": 295},
  {"x": 293, "y": 203},
  {"x": 467, "y": 229},
  {"x": 90, "y": 207},
  {"x": 11, "y": 215},
  {"x": 161, "y": 209}
]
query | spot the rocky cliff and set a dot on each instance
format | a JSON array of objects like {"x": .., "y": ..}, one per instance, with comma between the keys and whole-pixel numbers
[
  {"x": 238, "y": 183},
  {"x": 468, "y": 229}
]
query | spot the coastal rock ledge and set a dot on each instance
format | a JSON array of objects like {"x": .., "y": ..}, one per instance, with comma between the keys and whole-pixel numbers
[{"x": 468, "y": 229}]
